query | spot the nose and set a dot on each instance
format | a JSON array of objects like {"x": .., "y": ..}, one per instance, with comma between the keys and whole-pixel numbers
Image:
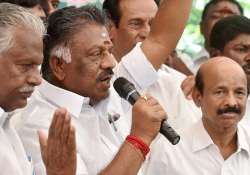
[
  {"x": 108, "y": 61},
  {"x": 247, "y": 58},
  {"x": 34, "y": 77},
  {"x": 144, "y": 32},
  {"x": 231, "y": 100}
]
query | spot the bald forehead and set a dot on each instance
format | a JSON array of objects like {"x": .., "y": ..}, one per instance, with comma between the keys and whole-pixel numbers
[{"x": 221, "y": 66}]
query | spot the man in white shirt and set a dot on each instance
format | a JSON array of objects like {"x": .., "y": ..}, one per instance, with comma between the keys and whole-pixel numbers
[
  {"x": 230, "y": 37},
  {"x": 217, "y": 144},
  {"x": 130, "y": 24},
  {"x": 20, "y": 56},
  {"x": 78, "y": 69},
  {"x": 213, "y": 11}
]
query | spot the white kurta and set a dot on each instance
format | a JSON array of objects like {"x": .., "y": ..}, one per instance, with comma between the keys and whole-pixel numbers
[
  {"x": 97, "y": 139},
  {"x": 13, "y": 159}
]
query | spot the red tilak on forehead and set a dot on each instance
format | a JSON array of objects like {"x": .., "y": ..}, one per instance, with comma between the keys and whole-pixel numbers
[{"x": 226, "y": 9}]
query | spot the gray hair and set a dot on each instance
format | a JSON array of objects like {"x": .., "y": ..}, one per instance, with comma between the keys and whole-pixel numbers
[
  {"x": 12, "y": 16},
  {"x": 62, "y": 52}
]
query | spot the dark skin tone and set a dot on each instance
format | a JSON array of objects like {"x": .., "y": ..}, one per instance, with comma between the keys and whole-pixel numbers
[{"x": 222, "y": 101}]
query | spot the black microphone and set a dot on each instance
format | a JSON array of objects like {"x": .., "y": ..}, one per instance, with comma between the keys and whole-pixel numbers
[{"x": 127, "y": 91}]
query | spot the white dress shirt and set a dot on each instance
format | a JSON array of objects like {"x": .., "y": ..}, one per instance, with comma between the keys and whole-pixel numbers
[
  {"x": 246, "y": 119},
  {"x": 200, "y": 58},
  {"x": 196, "y": 154},
  {"x": 13, "y": 159},
  {"x": 166, "y": 89},
  {"x": 97, "y": 140}
]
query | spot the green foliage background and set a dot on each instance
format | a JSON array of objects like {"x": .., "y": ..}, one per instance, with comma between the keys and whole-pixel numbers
[{"x": 192, "y": 41}]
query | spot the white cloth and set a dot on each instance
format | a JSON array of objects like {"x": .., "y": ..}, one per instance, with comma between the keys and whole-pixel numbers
[
  {"x": 200, "y": 58},
  {"x": 167, "y": 89},
  {"x": 178, "y": 76},
  {"x": 97, "y": 140},
  {"x": 246, "y": 119},
  {"x": 13, "y": 159},
  {"x": 196, "y": 154}
]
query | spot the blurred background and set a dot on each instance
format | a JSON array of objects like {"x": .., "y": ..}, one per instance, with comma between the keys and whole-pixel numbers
[{"x": 191, "y": 41}]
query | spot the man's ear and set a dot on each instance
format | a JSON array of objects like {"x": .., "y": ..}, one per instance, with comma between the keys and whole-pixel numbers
[
  {"x": 196, "y": 95},
  {"x": 214, "y": 52},
  {"x": 57, "y": 66}
]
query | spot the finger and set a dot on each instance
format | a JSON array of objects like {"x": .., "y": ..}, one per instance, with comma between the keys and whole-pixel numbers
[
  {"x": 72, "y": 138},
  {"x": 59, "y": 123},
  {"x": 157, "y": 108},
  {"x": 66, "y": 128},
  {"x": 52, "y": 125},
  {"x": 43, "y": 144}
]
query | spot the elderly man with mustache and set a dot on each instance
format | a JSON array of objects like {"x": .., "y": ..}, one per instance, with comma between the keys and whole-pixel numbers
[{"x": 218, "y": 143}]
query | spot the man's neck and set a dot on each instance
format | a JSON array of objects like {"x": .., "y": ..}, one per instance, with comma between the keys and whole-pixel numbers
[{"x": 225, "y": 139}]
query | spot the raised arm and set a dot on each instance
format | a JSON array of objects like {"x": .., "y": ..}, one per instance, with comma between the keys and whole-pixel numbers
[{"x": 166, "y": 30}]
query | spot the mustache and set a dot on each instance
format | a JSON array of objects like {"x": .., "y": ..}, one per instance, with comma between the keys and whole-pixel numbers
[
  {"x": 105, "y": 73},
  {"x": 246, "y": 66},
  {"x": 233, "y": 109},
  {"x": 26, "y": 89}
]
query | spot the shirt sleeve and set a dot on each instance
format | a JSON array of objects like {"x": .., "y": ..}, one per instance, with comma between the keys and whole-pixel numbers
[{"x": 137, "y": 69}]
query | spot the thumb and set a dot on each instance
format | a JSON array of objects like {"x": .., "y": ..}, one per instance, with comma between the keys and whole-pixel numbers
[{"x": 43, "y": 144}]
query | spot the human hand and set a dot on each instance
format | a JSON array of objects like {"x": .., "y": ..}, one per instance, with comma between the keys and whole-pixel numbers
[
  {"x": 187, "y": 86},
  {"x": 147, "y": 117},
  {"x": 59, "y": 150}
]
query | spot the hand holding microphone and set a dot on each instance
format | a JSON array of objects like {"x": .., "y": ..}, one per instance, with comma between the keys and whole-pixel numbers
[{"x": 148, "y": 116}]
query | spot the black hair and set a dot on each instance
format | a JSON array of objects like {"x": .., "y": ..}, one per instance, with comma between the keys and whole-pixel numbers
[
  {"x": 63, "y": 24},
  {"x": 111, "y": 7},
  {"x": 23, "y": 3},
  {"x": 214, "y": 2},
  {"x": 199, "y": 83},
  {"x": 227, "y": 29}
]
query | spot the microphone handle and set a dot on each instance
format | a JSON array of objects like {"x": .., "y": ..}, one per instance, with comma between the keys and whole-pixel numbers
[
  {"x": 165, "y": 129},
  {"x": 169, "y": 132}
]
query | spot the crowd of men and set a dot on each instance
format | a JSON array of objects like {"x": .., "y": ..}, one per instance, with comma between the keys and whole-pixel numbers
[{"x": 61, "y": 115}]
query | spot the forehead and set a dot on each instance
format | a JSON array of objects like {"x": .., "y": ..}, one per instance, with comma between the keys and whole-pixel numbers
[
  {"x": 224, "y": 7},
  {"x": 27, "y": 45},
  {"x": 138, "y": 8},
  {"x": 224, "y": 75},
  {"x": 243, "y": 39},
  {"x": 91, "y": 35}
]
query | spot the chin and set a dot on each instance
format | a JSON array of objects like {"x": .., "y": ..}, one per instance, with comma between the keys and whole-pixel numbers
[{"x": 21, "y": 104}]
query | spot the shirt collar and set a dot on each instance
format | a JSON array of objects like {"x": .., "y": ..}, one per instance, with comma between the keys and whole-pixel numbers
[
  {"x": 201, "y": 139},
  {"x": 63, "y": 98},
  {"x": 1, "y": 112},
  {"x": 243, "y": 140},
  {"x": 3, "y": 117}
]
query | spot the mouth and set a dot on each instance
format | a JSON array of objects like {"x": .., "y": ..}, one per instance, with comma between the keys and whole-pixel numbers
[
  {"x": 26, "y": 94},
  {"x": 229, "y": 115}
]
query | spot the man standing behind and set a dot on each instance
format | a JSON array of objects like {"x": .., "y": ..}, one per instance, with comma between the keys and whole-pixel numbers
[
  {"x": 132, "y": 22},
  {"x": 230, "y": 37},
  {"x": 213, "y": 11},
  {"x": 217, "y": 144},
  {"x": 20, "y": 56}
]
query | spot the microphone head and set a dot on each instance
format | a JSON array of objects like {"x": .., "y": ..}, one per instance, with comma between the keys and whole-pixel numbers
[{"x": 123, "y": 87}]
